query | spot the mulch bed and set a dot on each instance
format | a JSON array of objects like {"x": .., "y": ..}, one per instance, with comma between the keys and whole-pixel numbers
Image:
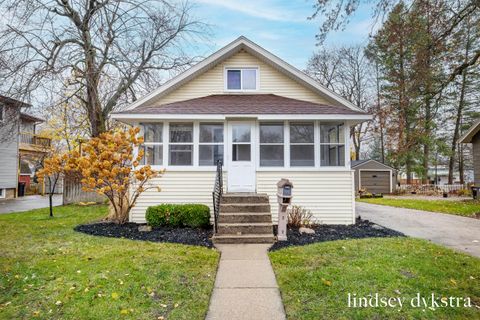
[
  {"x": 361, "y": 229},
  {"x": 191, "y": 236}
]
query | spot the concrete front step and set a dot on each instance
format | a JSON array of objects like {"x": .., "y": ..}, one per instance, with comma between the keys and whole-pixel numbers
[
  {"x": 243, "y": 207},
  {"x": 244, "y": 238},
  {"x": 252, "y": 198},
  {"x": 237, "y": 217},
  {"x": 245, "y": 228}
]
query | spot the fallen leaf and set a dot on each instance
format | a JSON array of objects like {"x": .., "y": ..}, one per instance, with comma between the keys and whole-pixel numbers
[
  {"x": 58, "y": 303},
  {"x": 453, "y": 282},
  {"x": 163, "y": 305},
  {"x": 326, "y": 282},
  {"x": 36, "y": 313},
  {"x": 114, "y": 295},
  {"x": 124, "y": 311},
  {"x": 175, "y": 305}
]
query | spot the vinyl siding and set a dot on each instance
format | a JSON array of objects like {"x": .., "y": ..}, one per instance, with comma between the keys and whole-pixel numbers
[
  {"x": 176, "y": 187},
  {"x": 9, "y": 148},
  {"x": 328, "y": 195},
  {"x": 271, "y": 81},
  {"x": 476, "y": 158}
]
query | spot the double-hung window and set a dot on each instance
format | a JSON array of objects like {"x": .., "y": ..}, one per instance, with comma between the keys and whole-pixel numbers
[
  {"x": 2, "y": 112},
  {"x": 210, "y": 144},
  {"x": 153, "y": 143},
  {"x": 180, "y": 144},
  {"x": 302, "y": 144},
  {"x": 332, "y": 144},
  {"x": 271, "y": 145},
  {"x": 242, "y": 79}
]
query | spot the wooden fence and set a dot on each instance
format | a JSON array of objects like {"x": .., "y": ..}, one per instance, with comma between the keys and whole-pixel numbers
[
  {"x": 429, "y": 188},
  {"x": 73, "y": 193}
]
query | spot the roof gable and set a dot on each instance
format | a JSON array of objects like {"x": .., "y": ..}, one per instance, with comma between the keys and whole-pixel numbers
[
  {"x": 359, "y": 163},
  {"x": 468, "y": 136},
  {"x": 228, "y": 51}
]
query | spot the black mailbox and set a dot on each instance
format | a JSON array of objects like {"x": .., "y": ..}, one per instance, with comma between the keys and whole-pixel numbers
[{"x": 284, "y": 191}]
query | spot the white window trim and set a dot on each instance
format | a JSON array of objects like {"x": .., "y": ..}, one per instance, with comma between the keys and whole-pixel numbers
[
  {"x": 193, "y": 144},
  {"x": 142, "y": 134},
  {"x": 345, "y": 144},
  {"x": 195, "y": 167},
  {"x": 225, "y": 78},
  {"x": 260, "y": 144},
  {"x": 3, "y": 193},
  {"x": 198, "y": 143},
  {"x": 303, "y": 143}
]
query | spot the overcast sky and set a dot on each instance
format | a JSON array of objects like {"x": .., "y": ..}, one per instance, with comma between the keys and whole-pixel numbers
[{"x": 280, "y": 26}]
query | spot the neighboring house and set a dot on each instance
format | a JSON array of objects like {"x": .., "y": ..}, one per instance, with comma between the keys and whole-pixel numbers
[
  {"x": 374, "y": 176},
  {"x": 441, "y": 174},
  {"x": 264, "y": 119},
  {"x": 473, "y": 136},
  {"x": 19, "y": 144}
]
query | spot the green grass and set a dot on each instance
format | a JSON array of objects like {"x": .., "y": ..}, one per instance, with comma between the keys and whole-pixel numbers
[
  {"x": 49, "y": 271},
  {"x": 315, "y": 280},
  {"x": 465, "y": 208}
]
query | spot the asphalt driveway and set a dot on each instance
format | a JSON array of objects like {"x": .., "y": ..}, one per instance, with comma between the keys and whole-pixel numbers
[
  {"x": 452, "y": 231},
  {"x": 28, "y": 203}
]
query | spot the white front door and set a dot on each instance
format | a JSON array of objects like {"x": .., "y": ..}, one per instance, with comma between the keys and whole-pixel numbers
[{"x": 241, "y": 158}]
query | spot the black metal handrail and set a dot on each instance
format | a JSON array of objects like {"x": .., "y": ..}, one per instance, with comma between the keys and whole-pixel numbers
[{"x": 217, "y": 194}]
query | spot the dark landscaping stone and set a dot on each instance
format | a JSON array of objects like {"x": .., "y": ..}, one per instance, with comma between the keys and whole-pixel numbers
[
  {"x": 361, "y": 229},
  {"x": 191, "y": 236}
]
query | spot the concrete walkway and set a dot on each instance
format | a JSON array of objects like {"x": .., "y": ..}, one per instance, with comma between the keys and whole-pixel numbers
[
  {"x": 452, "y": 231},
  {"x": 245, "y": 287},
  {"x": 28, "y": 203}
]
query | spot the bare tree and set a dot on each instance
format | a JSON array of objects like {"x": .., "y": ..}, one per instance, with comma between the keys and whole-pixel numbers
[
  {"x": 346, "y": 71},
  {"x": 104, "y": 51},
  {"x": 336, "y": 15}
]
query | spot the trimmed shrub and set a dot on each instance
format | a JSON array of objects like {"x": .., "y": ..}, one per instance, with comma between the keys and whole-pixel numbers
[{"x": 179, "y": 215}]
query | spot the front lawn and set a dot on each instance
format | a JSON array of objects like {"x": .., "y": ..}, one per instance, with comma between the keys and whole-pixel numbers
[
  {"x": 49, "y": 271},
  {"x": 467, "y": 208},
  {"x": 315, "y": 280}
]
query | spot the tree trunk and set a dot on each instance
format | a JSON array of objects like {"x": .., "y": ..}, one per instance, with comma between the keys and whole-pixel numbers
[
  {"x": 458, "y": 121},
  {"x": 426, "y": 145},
  {"x": 50, "y": 199}
]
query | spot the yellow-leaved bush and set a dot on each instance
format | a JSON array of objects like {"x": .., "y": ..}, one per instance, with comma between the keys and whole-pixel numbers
[{"x": 107, "y": 165}]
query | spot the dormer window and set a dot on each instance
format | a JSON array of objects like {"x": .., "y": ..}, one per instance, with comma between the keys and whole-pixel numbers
[{"x": 241, "y": 79}]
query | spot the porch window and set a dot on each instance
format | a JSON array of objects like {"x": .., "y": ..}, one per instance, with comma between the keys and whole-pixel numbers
[
  {"x": 181, "y": 144},
  {"x": 332, "y": 144},
  {"x": 153, "y": 143},
  {"x": 210, "y": 144},
  {"x": 302, "y": 144},
  {"x": 241, "y": 79},
  {"x": 271, "y": 145}
]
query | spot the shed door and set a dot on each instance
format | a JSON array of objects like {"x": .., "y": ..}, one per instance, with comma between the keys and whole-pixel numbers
[{"x": 376, "y": 181}]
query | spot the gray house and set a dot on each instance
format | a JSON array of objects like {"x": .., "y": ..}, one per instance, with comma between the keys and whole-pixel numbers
[
  {"x": 374, "y": 176},
  {"x": 21, "y": 148},
  {"x": 9, "y": 139},
  {"x": 473, "y": 136}
]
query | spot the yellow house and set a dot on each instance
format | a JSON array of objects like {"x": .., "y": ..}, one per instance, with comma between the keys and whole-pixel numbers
[{"x": 263, "y": 120}]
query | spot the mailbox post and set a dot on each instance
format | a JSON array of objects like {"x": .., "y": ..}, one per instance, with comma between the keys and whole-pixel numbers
[{"x": 284, "y": 198}]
